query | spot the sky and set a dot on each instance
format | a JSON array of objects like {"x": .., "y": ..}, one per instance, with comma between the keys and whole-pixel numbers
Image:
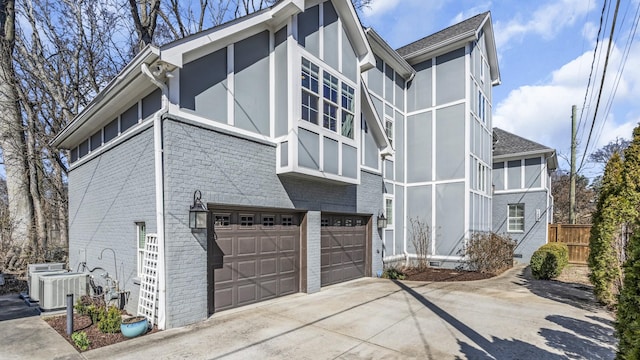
[{"x": 545, "y": 50}]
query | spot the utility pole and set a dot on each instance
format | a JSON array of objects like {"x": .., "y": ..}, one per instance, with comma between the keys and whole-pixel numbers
[{"x": 572, "y": 175}]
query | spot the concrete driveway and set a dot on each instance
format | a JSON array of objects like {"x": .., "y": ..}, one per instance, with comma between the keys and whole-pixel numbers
[{"x": 508, "y": 317}]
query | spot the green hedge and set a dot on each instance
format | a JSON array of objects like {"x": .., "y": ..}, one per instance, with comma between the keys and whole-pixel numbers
[{"x": 548, "y": 261}]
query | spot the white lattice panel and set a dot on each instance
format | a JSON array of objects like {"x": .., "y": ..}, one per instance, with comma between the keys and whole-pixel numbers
[{"x": 149, "y": 280}]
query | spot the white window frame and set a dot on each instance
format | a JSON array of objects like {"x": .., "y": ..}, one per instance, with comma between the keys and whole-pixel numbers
[
  {"x": 512, "y": 220},
  {"x": 389, "y": 130},
  {"x": 337, "y": 85},
  {"x": 313, "y": 71},
  {"x": 141, "y": 238},
  {"x": 388, "y": 210}
]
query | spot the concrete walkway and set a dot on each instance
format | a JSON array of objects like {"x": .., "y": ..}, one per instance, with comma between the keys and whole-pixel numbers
[{"x": 508, "y": 317}]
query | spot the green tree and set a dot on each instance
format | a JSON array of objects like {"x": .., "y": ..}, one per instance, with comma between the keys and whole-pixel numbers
[
  {"x": 604, "y": 263},
  {"x": 628, "y": 316}
]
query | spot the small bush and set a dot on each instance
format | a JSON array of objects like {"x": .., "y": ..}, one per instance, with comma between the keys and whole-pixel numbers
[
  {"x": 81, "y": 340},
  {"x": 96, "y": 313},
  {"x": 490, "y": 253},
  {"x": 110, "y": 322},
  {"x": 393, "y": 274},
  {"x": 549, "y": 260}
]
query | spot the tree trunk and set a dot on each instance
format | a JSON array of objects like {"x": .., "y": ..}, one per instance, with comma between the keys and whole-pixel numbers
[
  {"x": 40, "y": 245},
  {"x": 12, "y": 139}
]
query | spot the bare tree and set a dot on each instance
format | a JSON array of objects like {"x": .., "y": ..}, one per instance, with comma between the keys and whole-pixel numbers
[
  {"x": 145, "y": 16},
  {"x": 12, "y": 140}
]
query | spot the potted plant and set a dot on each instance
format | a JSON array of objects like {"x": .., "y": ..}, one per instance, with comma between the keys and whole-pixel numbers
[{"x": 134, "y": 326}]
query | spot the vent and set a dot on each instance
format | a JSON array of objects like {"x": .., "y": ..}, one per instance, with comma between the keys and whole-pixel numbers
[
  {"x": 434, "y": 263},
  {"x": 55, "y": 287},
  {"x": 34, "y": 282},
  {"x": 517, "y": 256}
]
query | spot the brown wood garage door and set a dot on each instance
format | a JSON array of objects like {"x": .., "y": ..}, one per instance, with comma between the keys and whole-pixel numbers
[
  {"x": 343, "y": 248},
  {"x": 255, "y": 256}
]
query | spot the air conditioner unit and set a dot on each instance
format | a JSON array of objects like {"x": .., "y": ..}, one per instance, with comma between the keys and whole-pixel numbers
[
  {"x": 55, "y": 287},
  {"x": 31, "y": 268},
  {"x": 33, "y": 282},
  {"x": 44, "y": 267}
]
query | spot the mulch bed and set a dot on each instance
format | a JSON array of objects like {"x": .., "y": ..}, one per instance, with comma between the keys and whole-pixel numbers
[
  {"x": 96, "y": 337},
  {"x": 434, "y": 274}
]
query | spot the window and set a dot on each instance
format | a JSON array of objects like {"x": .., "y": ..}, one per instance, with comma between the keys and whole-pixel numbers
[
  {"x": 141, "y": 236},
  {"x": 348, "y": 109},
  {"x": 481, "y": 180},
  {"x": 221, "y": 220},
  {"x": 330, "y": 116},
  {"x": 516, "y": 218},
  {"x": 246, "y": 220},
  {"x": 287, "y": 220},
  {"x": 330, "y": 107},
  {"x": 388, "y": 125},
  {"x": 330, "y": 87},
  {"x": 389, "y": 211},
  {"x": 310, "y": 91},
  {"x": 268, "y": 220},
  {"x": 338, "y": 100}
]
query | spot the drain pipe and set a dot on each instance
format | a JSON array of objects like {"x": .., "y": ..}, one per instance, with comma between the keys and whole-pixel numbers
[{"x": 159, "y": 172}]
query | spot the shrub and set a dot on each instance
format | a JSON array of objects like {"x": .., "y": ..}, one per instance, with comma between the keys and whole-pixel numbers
[
  {"x": 81, "y": 340},
  {"x": 489, "y": 253},
  {"x": 420, "y": 233},
  {"x": 548, "y": 261},
  {"x": 96, "y": 313},
  {"x": 110, "y": 322},
  {"x": 393, "y": 274},
  {"x": 628, "y": 321}
]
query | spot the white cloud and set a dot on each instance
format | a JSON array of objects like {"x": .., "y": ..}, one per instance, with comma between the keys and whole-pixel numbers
[
  {"x": 542, "y": 112},
  {"x": 546, "y": 21},
  {"x": 469, "y": 12}
]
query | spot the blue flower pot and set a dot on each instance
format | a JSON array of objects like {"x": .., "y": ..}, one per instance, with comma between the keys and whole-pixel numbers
[{"x": 134, "y": 326}]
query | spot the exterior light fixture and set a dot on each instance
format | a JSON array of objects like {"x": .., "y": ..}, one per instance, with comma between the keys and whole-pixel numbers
[
  {"x": 382, "y": 221},
  {"x": 198, "y": 213}
]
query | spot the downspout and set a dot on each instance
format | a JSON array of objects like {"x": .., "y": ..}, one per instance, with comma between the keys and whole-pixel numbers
[{"x": 159, "y": 180}]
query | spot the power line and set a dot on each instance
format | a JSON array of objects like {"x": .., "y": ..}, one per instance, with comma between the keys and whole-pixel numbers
[
  {"x": 623, "y": 62},
  {"x": 595, "y": 53},
  {"x": 604, "y": 75}
]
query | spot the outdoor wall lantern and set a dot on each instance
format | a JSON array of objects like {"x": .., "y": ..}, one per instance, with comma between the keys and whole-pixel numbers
[
  {"x": 197, "y": 213},
  {"x": 382, "y": 221}
]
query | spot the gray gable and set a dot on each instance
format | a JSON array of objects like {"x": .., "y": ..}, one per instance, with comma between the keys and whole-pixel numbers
[
  {"x": 471, "y": 24},
  {"x": 506, "y": 143}
]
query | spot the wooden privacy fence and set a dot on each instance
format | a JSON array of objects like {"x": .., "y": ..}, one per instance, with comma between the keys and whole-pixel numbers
[{"x": 576, "y": 237}]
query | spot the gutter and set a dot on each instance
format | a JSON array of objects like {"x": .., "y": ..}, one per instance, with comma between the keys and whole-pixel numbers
[{"x": 159, "y": 180}]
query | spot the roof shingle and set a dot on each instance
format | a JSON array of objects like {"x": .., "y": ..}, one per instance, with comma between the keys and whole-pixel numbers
[
  {"x": 471, "y": 24},
  {"x": 506, "y": 143}
]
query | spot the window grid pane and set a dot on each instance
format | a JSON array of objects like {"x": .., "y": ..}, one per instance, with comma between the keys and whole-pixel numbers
[
  {"x": 330, "y": 118},
  {"x": 309, "y": 107},
  {"x": 347, "y": 124},
  {"x": 330, "y": 87}
]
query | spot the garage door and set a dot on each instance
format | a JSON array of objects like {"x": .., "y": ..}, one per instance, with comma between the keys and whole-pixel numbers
[
  {"x": 254, "y": 257},
  {"x": 343, "y": 248}
]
